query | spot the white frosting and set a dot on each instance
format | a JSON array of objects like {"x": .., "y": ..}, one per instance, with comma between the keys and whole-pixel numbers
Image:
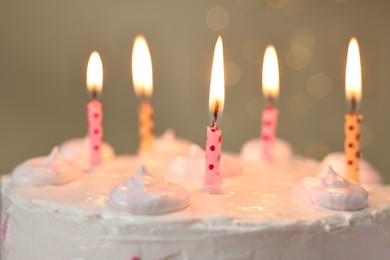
[
  {"x": 192, "y": 165},
  {"x": 79, "y": 151},
  {"x": 252, "y": 151},
  {"x": 330, "y": 190},
  {"x": 147, "y": 194},
  {"x": 50, "y": 170},
  {"x": 168, "y": 145},
  {"x": 367, "y": 173},
  {"x": 255, "y": 218}
]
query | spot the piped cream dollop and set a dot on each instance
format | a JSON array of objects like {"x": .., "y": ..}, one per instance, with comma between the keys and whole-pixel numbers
[
  {"x": 252, "y": 151},
  {"x": 79, "y": 151},
  {"x": 192, "y": 165},
  {"x": 148, "y": 194},
  {"x": 49, "y": 170},
  {"x": 367, "y": 173},
  {"x": 330, "y": 190},
  {"x": 168, "y": 145}
]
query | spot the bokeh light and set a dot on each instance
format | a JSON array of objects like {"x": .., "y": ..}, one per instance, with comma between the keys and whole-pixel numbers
[
  {"x": 248, "y": 5},
  {"x": 367, "y": 136},
  {"x": 299, "y": 105},
  {"x": 298, "y": 57},
  {"x": 253, "y": 50},
  {"x": 305, "y": 40},
  {"x": 287, "y": 7},
  {"x": 217, "y": 18},
  {"x": 319, "y": 85},
  {"x": 232, "y": 73},
  {"x": 254, "y": 108}
]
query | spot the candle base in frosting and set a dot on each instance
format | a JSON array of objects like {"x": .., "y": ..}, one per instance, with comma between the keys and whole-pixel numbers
[{"x": 213, "y": 181}]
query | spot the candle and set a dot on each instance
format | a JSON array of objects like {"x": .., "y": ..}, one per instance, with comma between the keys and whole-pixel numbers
[
  {"x": 94, "y": 107},
  {"x": 143, "y": 87},
  {"x": 271, "y": 92},
  {"x": 353, "y": 92},
  {"x": 213, "y": 179}
]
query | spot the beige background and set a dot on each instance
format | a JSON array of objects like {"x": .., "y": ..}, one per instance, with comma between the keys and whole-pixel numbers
[{"x": 45, "y": 44}]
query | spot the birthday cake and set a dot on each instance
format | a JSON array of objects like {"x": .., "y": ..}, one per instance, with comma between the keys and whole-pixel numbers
[{"x": 154, "y": 207}]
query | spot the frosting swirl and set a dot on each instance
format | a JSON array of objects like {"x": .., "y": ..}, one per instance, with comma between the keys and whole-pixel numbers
[
  {"x": 192, "y": 164},
  {"x": 148, "y": 194},
  {"x": 50, "y": 170},
  {"x": 330, "y": 190},
  {"x": 367, "y": 173},
  {"x": 79, "y": 151}
]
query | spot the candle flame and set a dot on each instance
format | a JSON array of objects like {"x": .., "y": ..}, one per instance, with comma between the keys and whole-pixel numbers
[
  {"x": 95, "y": 73},
  {"x": 217, "y": 83},
  {"x": 270, "y": 73},
  {"x": 353, "y": 77},
  {"x": 142, "y": 68}
]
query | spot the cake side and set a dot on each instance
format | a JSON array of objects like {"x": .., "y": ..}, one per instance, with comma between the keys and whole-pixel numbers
[{"x": 255, "y": 218}]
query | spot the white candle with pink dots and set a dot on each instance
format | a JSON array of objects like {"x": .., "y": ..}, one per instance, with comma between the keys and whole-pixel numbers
[
  {"x": 270, "y": 91},
  {"x": 213, "y": 181},
  {"x": 94, "y": 107}
]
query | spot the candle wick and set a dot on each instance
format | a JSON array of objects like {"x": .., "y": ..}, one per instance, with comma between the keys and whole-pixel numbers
[
  {"x": 270, "y": 101},
  {"x": 94, "y": 94},
  {"x": 144, "y": 97},
  {"x": 353, "y": 105},
  {"x": 216, "y": 109}
]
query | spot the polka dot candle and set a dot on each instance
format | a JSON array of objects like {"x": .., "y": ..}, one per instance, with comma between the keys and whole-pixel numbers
[
  {"x": 143, "y": 86},
  {"x": 94, "y": 108},
  {"x": 352, "y": 146},
  {"x": 353, "y": 91},
  {"x": 268, "y": 130},
  {"x": 146, "y": 128},
  {"x": 95, "y": 131},
  {"x": 213, "y": 181},
  {"x": 271, "y": 91}
]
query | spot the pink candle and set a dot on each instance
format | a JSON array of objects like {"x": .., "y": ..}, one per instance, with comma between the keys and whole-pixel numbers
[
  {"x": 268, "y": 130},
  {"x": 94, "y": 108},
  {"x": 271, "y": 91},
  {"x": 95, "y": 131},
  {"x": 213, "y": 181}
]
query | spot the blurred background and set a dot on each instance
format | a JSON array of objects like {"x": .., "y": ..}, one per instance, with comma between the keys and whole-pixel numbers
[{"x": 45, "y": 46}]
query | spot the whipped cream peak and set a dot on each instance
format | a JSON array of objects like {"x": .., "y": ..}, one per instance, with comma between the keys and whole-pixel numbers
[
  {"x": 330, "y": 190},
  {"x": 148, "y": 194},
  {"x": 168, "y": 135},
  {"x": 53, "y": 156},
  {"x": 367, "y": 173},
  {"x": 332, "y": 179},
  {"x": 53, "y": 169}
]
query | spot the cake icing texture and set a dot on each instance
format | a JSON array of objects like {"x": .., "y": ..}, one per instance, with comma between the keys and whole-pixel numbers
[
  {"x": 148, "y": 194},
  {"x": 50, "y": 170},
  {"x": 192, "y": 164},
  {"x": 330, "y": 190},
  {"x": 255, "y": 216}
]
